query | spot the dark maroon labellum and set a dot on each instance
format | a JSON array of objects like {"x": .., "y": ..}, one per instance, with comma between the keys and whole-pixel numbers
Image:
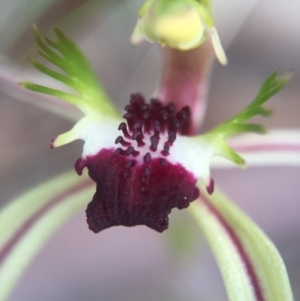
[
  {"x": 136, "y": 183},
  {"x": 130, "y": 193}
]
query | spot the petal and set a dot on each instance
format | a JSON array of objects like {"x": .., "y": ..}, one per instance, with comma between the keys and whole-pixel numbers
[
  {"x": 96, "y": 134},
  {"x": 220, "y": 53},
  {"x": 251, "y": 267},
  {"x": 63, "y": 54},
  {"x": 194, "y": 155},
  {"x": 98, "y": 111},
  {"x": 29, "y": 221},
  {"x": 137, "y": 34},
  {"x": 278, "y": 147},
  {"x": 11, "y": 75},
  {"x": 236, "y": 125}
]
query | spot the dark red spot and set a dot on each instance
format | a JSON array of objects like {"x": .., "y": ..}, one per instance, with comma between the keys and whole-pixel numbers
[
  {"x": 118, "y": 151},
  {"x": 130, "y": 151},
  {"x": 165, "y": 152},
  {"x": 137, "y": 126},
  {"x": 172, "y": 136},
  {"x": 147, "y": 158},
  {"x": 131, "y": 194},
  {"x": 157, "y": 126},
  {"x": 123, "y": 128},
  {"x": 154, "y": 142},
  {"x": 129, "y": 163},
  {"x": 121, "y": 140},
  {"x": 211, "y": 186},
  {"x": 170, "y": 107},
  {"x": 147, "y": 171},
  {"x": 163, "y": 162},
  {"x": 52, "y": 143},
  {"x": 164, "y": 114},
  {"x": 138, "y": 136},
  {"x": 153, "y": 119}
]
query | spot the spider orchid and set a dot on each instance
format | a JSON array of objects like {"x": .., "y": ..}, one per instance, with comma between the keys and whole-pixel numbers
[
  {"x": 146, "y": 166},
  {"x": 148, "y": 162}
]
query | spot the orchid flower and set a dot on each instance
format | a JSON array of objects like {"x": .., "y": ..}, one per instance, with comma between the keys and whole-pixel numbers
[
  {"x": 147, "y": 163},
  {"x": 146, "y": 166}
]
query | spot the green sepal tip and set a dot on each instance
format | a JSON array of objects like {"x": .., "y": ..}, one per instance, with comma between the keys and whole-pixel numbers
[
  {"x": 77, "y": 73},
  {"x": 237, "y": 124}
]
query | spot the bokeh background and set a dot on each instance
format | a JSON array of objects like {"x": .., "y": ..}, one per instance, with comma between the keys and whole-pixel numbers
[{"x": 139, "y": 264}]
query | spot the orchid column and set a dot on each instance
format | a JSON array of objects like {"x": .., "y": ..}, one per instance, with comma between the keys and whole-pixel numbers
[{"x": 182, "y": 26}]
